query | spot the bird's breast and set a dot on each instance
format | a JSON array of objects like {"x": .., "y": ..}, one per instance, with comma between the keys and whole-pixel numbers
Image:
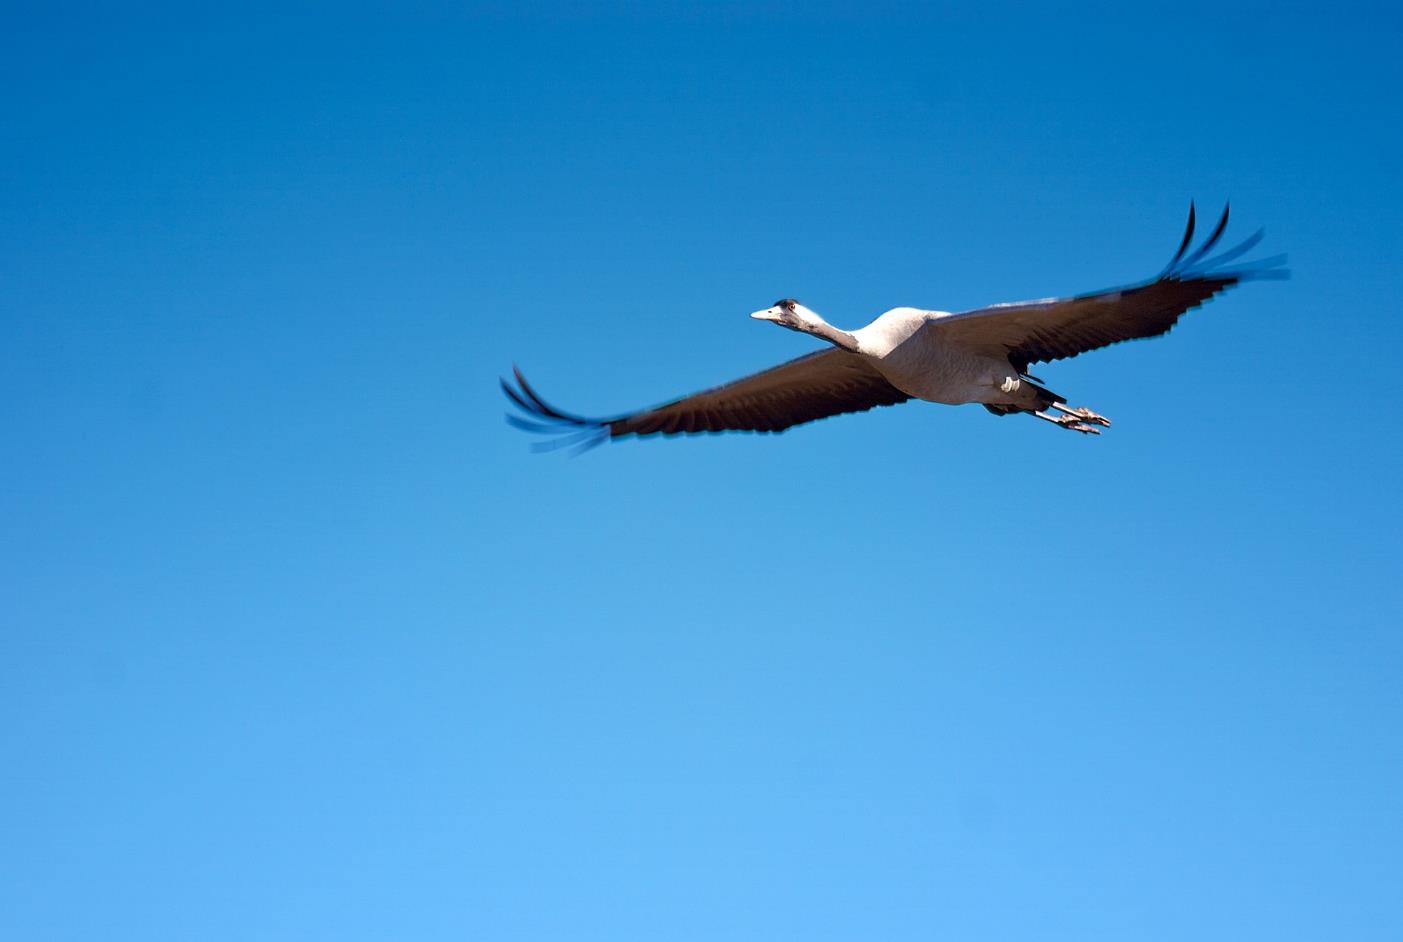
[{"x": 937, "y": 373}]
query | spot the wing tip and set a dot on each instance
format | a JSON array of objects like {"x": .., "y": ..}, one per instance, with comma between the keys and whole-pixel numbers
[
  {"x": 568, "y": 430},
  {"x": 1198, "y": 263}
]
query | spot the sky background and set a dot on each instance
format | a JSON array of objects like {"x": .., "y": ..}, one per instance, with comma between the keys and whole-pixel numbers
[{"x": 298, "y": 640}]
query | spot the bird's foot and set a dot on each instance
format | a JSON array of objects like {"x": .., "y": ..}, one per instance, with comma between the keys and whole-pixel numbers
[
  {"x": 1084, "y": 414},
  {"x": 1069, "y": 421},
  {"x": 1076, "y": 425}
]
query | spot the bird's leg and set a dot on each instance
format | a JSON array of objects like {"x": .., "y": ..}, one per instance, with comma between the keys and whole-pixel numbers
[
  {"x": 1069, "y": 421},
  {"x": 1084, "y": 414}
]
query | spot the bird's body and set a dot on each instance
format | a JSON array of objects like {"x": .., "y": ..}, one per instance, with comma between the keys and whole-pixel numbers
[
  {"x": 979, "y": 356},
  {"x": 906, "y": 346}
]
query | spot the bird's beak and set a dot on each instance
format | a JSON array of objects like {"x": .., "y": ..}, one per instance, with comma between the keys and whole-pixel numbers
[{"x": 769, "y": 314}]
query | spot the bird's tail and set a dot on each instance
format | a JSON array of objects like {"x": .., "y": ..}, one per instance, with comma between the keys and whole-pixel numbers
[
  {"x": 1040, "y": 398},
  {"x": 1046, "y": 397}
]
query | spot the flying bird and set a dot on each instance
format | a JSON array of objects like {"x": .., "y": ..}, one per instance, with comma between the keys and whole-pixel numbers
[{"x": 907, "y": 353}]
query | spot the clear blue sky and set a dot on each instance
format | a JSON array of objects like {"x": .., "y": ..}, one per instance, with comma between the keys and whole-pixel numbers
[{"x": 301, "y": 642}]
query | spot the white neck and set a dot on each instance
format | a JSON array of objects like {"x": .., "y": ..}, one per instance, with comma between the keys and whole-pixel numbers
[{"x": 811, "y": 323}]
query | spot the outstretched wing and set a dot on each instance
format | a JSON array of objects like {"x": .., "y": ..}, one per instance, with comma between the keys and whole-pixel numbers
[
  {"x": 811, "y": 387},
  {"x": 1036, "y": 331}
]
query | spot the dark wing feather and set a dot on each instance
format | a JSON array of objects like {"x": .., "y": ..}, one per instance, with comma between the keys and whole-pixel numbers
[
  {"x": 1038, "y": 331},
  {"x": 811, "y": 387}
]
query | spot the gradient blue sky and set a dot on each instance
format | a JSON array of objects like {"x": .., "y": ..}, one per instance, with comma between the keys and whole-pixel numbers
[{"x": 301, "y": 642}]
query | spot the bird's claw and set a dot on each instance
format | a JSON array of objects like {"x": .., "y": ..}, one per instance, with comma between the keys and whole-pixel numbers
[
  {"x": 1086, "y": 415},
  {"x": 1074, "y": 422}
]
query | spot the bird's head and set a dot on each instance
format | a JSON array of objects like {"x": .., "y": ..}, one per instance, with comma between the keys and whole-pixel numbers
[{"x": 790, "y": 313}]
